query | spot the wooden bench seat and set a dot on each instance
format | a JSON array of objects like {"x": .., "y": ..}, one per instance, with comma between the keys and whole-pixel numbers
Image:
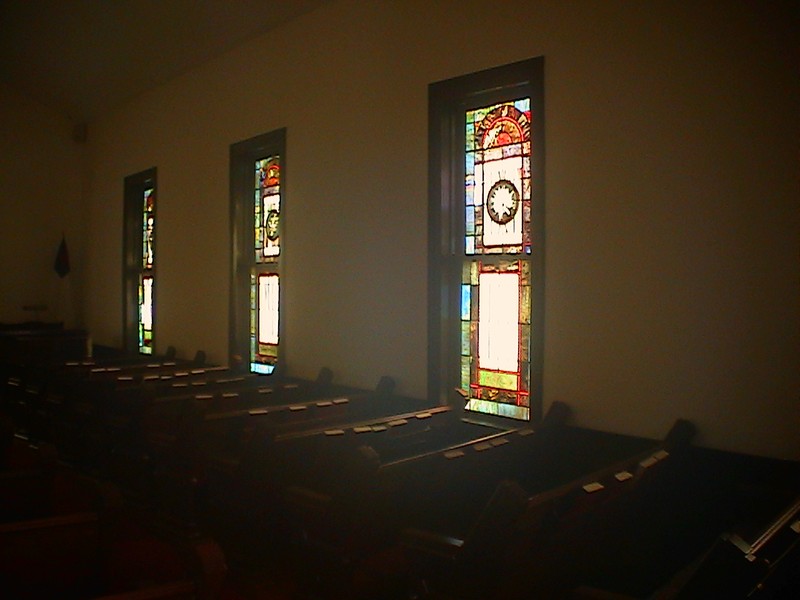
[
  {"x": 79, "y": 555},
  {"x": 550, "y": 519}
]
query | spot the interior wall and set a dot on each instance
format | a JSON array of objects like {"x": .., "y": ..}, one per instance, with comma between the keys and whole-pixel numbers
[
  {"x": 672, "y": 272},
  {"x": 41, "y": 178}
]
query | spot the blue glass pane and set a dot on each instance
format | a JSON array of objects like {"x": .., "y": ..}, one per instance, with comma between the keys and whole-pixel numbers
[
  {"x": 465, "y": 302},
  {"x": 470, "y": 163}
]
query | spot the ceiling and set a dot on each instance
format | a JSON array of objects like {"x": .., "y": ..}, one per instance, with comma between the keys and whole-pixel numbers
[{"x": 86, "y": 57}]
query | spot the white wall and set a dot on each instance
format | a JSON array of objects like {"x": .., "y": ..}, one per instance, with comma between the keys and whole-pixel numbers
[
  {"x": 41, "y": 183},
  {"x": 673, "y": 280}
]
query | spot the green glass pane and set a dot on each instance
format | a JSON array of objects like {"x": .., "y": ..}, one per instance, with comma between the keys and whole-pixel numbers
[
  {"x": 465, "y": 272},
  {"x": 524, "y": 342},
  {"x": 525, "y": 304},
  {"x": 473, "y": 339},
  {"x": 503, "y": 410},
  {"x": 268, "y": 350},
  {"x": 465, "y": 372},
  {"x": 494, "y": 379},
  {"x": 465, "y": 338},
  {"x": 525, "y": 381}
]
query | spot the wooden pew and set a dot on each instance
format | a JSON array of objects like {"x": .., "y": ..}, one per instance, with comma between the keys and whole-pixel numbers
[
  {"x": 49, "y": 399},
  {"x": 699, "y": 501},
  {"x": 79, "y": 556},
  {"x": 29, "y": 386},
  {"x": 49, "y": 557},
  {"x": 757, "y": 558},
  {"x": 42, "y": 346},
  {"x": 179, "y": 421},
  {"x": 549, "y": 522},
  {"x": 244, "y": 479},
  {"x": 73, "y": 369},
  {"x": 160, "y": 458},
  {"x": 570, "y": 531},
  {"x": 91, "y": 416},
  {"x": 347, "y": 512}
]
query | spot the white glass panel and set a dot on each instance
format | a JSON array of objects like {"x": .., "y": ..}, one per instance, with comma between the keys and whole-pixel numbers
[
  {"x": 498, "y": 321},
  {"x": 147, "y": 303},
  {"x": 268, "y": 288}
]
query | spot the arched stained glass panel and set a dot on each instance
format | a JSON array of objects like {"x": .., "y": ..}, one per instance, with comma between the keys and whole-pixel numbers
[{"x": 497, "y": 179}]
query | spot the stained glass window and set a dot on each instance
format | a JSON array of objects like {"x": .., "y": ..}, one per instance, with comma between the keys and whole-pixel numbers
[
  {"x": 146, "y": 280},
  {"x": 496, "y": 295},
  {"x": 486, "y": 240},
  {"x": 139, "y": 261},
  {"x": 265, "y": 281},
  {"x": 257, "y": 202}
]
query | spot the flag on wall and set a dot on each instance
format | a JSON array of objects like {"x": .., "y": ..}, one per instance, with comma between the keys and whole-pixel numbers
[{"x": 62, "y": 259}]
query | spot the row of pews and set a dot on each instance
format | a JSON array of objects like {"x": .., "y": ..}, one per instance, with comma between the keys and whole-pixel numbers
[
  {"x": 64, "y": 531},
  {"x": 64, "y": 534},
  {"x": 164, "y": 473}
]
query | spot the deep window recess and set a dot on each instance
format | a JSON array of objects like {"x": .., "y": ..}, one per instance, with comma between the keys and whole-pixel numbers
[
  {"x": 139, "y": 262},
  {"x": 258, "y": 184},
  {"x": 486, "y": 241}
]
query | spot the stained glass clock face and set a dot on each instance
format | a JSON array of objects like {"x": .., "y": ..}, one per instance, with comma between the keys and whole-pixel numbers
[
  {"x": 502, "y": 202},
  {"x": 273, "y": 222}
]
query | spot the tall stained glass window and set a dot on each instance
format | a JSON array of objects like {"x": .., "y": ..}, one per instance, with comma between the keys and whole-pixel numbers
[
  {"x": 265, "y": 280},
  {"x": 146, "y": 278},
  {"x": 258, "y": 177},
  {"x": 486, "y": 242},
  {"x": 495, "y": 297},
  {"x": 139, "y": 261}
]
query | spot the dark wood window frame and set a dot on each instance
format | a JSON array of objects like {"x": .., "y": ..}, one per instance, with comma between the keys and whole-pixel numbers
[
  {"x": 242, "y": 159},
  {"x": 448, "y": 102}
]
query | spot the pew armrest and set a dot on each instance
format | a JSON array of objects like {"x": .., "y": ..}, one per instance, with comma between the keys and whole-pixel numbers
[
  {"x": 590, "y": 593},
  {"x": 431, "y": 543},
  {"x": 173, "y": 590}
]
